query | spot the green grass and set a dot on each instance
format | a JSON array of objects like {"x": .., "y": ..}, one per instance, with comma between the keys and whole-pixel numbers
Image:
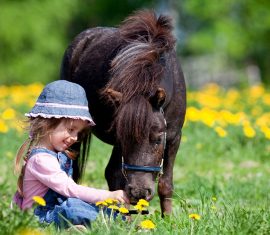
[{"x": 233, "y": 170}]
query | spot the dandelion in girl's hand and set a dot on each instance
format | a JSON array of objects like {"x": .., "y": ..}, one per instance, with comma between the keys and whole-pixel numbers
[
  {"x": 123, "y": 210},
  {"x": 195, "y": 216},
  {"x": 113, "y": 207},
  {"x": 39, "y": 200},
  {"x": 111, "y": 201},
  {"x": 147, "y": 224},
  {"x": 101, "y": 203}
]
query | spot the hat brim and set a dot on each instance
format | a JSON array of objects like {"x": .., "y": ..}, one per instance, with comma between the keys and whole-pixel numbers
[{"x": 73, "y": 113}]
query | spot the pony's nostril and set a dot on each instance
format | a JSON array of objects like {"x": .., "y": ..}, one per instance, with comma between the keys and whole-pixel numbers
[
  {"x": 136, "y": 193},
  {"x": 148, "y": 194}
]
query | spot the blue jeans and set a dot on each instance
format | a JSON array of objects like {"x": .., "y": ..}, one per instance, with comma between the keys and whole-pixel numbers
[
  {"x": 60, "y": 209},
  {"x": 63, "y": 211}
]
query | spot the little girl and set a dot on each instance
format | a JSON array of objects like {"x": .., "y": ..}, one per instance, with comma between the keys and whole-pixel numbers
[{"x": 57, "y": 121}]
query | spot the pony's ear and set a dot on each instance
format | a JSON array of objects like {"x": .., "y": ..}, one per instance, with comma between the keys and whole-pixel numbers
[
  {"x": 113, "y": 96},
  {"x": 158, "y": 99}
]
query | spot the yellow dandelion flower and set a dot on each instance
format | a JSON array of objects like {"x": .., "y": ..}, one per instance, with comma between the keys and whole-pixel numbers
[
  {"x": 214, "y": 198},
  {"x": 231, "y": 97},
  {"x": 209, "y": 101},
  {"x": 139, "y": 207},
  {"x": 39, "y": 200},
  {"x": 256, "y": 91},
  {"x": 229, "y": 117},
  {"x": 113, "y": 207},
  {"x": 192, "y": 114},
  {"x": 143, "y": 202},
  {"x": 266, "y": 99},
  {"x": 101, "y": 203},
  {"x": 266, "y": 131},
  {"x": 111, "y": 201},
  {"x": 208, "y": 116},
  {"x": 147, "y": 224},
  {"x": 28, "y": 231},
  {"x": 263, "y": 120},
  {"x": 249, "y": 131},
  {"x": 35, "y": 88},
  {"x": 4, "y": 91},
  {"x": 123, "y": 210},
  {"x": 220, "y": 131},
  {"x": 3, "y": 127},
  {"x": 195, "y": 216},
  {"x": 8, "y": 114}
]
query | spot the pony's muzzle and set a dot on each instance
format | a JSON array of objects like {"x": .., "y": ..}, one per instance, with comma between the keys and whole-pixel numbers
[{"x": 136, "y": 193}]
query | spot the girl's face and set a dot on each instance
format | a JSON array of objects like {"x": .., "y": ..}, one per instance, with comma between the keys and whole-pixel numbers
[{"x": 64, "y": 135}]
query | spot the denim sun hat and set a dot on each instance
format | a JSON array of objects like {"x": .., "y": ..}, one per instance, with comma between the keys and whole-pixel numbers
[{"x": 62, "y": 99}]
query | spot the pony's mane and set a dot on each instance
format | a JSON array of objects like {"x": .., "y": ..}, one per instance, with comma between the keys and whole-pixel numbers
[
  {"x": 133, "y": 122},
  {"x": 145, "y": 25},
  {"x": 137, "y": 70}
]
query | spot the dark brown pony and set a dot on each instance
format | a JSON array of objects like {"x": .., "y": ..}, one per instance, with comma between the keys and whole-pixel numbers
[{"x": 136, "y": 94}]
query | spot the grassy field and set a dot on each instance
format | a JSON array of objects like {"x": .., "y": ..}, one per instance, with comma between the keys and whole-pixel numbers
[{"x": 221, "y": 173}]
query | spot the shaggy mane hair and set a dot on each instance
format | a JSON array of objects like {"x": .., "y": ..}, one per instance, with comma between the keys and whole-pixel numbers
[{"x": 137, "y": 70}]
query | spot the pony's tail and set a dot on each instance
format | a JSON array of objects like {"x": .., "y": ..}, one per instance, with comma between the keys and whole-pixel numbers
[
  {"x": 17, "y": 165},
  {"x": 145, "y": 26}
]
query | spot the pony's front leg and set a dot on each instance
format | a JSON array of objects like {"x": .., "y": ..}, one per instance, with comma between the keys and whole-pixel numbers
[
  {"x": 165, "y": 191},
  {"x": 165, "y": 183},
  {"x": 113, "y": 173}
]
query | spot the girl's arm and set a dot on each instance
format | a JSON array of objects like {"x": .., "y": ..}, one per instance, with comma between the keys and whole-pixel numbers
[{"x": 46, "y": 169}]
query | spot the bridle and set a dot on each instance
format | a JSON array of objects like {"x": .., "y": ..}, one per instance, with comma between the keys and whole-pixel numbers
[{"x": 158, "y": 169}]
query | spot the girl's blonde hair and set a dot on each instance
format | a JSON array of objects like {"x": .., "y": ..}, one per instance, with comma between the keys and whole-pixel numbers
[{"x": 38, "y": 128}]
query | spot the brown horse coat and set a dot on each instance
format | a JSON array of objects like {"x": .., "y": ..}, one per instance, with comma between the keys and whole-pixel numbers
[{"x": 136, "y": 93}]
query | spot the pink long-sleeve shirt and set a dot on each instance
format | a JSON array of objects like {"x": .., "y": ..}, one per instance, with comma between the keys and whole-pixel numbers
[{"x": 43, "y": 172}]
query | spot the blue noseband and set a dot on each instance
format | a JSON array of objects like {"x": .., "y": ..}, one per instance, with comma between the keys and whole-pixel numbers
[{"x": 142, "y": 168}]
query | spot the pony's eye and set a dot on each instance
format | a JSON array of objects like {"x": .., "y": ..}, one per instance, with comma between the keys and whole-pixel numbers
[{"x": 156, "y": 139}]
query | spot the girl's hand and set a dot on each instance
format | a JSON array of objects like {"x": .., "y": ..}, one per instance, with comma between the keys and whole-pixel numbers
[{"x": 120, "y": 196}]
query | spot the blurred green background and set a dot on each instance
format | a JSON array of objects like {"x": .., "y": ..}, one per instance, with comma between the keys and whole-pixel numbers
[{"x": 225, "y": 41}]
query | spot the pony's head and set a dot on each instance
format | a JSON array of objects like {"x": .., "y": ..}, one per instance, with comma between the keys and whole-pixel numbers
[{"x": 140, "y": 128}]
